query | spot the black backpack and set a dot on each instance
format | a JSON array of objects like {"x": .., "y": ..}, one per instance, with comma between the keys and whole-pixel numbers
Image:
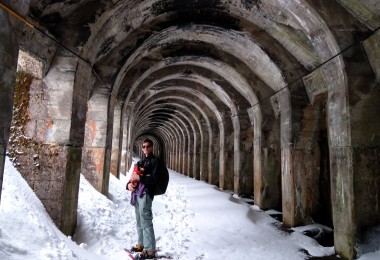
[{"x": 162, "y": 179}]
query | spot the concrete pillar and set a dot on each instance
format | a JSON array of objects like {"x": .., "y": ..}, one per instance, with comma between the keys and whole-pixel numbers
[
  {"x": 300, "y": 157},
  {"x": 52, "y": 114},
  {"x": 355, "y": 150},
  {"x": 114, "y": 167},
  {"x": 207, "y": 155},
  {"x": 222, "y": 157},
  {"x": 267, "y": 157},
  {"x": 282, "y": 106},
  {"x": 124, "y": 151},
  {"x": 202, "y": 156},
  {"x": 205, "y": 160},
  {"x": 229, "y": 160},
  {"x": 245, "y": 145},
  {"x": 314, "y": 177},
  {"x": 96, "y": 150},
  {"x": 213, "y": 175}
]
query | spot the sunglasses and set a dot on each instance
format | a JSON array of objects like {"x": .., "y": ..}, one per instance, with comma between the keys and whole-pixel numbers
[{"x": 146, "y": 146}]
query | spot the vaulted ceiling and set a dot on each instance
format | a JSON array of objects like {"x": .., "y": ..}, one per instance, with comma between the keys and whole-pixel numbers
[{"x": 232, "y": 55}]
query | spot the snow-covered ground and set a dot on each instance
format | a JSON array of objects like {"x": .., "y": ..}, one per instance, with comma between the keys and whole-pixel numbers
[{"x": 193, "y": 220}]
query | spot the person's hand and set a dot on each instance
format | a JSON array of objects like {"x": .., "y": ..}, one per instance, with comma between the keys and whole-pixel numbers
[
  {"x": 131, "y": 187},
  {"x": 135, "y": 176}
]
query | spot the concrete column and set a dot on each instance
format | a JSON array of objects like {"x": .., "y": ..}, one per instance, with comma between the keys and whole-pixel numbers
[
  {"x": 222, "y": 157},
  {"x": 52, "y": 115},
  {"x": 178, "y": 145},
  {"x": 300, "y": 157},
  {"x": 229, "y": 161},
  {"x": 282, "y": 107},
  {"x": 354, "y": 126},
  {"x": 205, "y": 161},
  {"x": 245, "y": 145},
  {"x": 124, "y": 151},
  {"x": 208, "y": 157},
  {"x": 201, "y": 167},
  {"x": 213, "y": 175},
  {"x": 96, "y": 146},
  {"x": 267, "y": 158},
  {"x": 314, "y": 173},
  {"x": 114, "y": 168}
]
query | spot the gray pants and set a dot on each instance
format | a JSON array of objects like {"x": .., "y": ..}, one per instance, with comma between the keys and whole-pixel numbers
[{"x": 144, "y": 217}]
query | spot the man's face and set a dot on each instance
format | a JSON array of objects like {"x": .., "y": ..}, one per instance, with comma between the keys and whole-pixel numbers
[{"x": 147, "y": 149}]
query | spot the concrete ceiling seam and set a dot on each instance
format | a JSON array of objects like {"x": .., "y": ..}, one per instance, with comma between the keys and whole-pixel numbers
[{"x": 261, "y": 7}]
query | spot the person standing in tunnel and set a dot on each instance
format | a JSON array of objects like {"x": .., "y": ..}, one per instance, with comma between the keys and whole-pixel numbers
[{"x": 142, "y": 198}]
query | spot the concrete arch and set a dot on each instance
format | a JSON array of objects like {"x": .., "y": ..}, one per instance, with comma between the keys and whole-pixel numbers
[
  {"x": 173, "y": 138},
  {"x": 288, "y": 142},
  {"x": 185, "y": 147},
  {"x": 172, "y": 114},
  {"x": 191, "y": 166},
  {"x": 236, "y": 167},
  {"x": 228, "y": 8},
  {"x": 175, "y": 134},
  {"x": 175, "y": 110},
  {"x": 184, "y": 36},
  {"x": 196, "y": 163},
  {"x": 177, "y": 131},
  {"x": 212, "y": 107},
  {"x": 234, "y": 78},
  {"x": 204, "y": 136},
  {"x": 234, "y": 43},
  {"x": 223, "y": 96}
]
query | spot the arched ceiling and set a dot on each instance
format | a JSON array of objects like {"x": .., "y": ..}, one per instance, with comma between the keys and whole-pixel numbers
[{"x": 173, "y": 62}]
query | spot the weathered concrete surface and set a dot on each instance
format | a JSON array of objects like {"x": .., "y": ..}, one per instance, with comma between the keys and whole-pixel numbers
[
  {"x": 114, "y": 167},
  {"x": 41, "y": 163},
  {"x": 98, "y": 138},
  {"x": 57, "y": 189},
  {"x": 42, "y": 123},
  {"x": 257, "y": 97}
]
